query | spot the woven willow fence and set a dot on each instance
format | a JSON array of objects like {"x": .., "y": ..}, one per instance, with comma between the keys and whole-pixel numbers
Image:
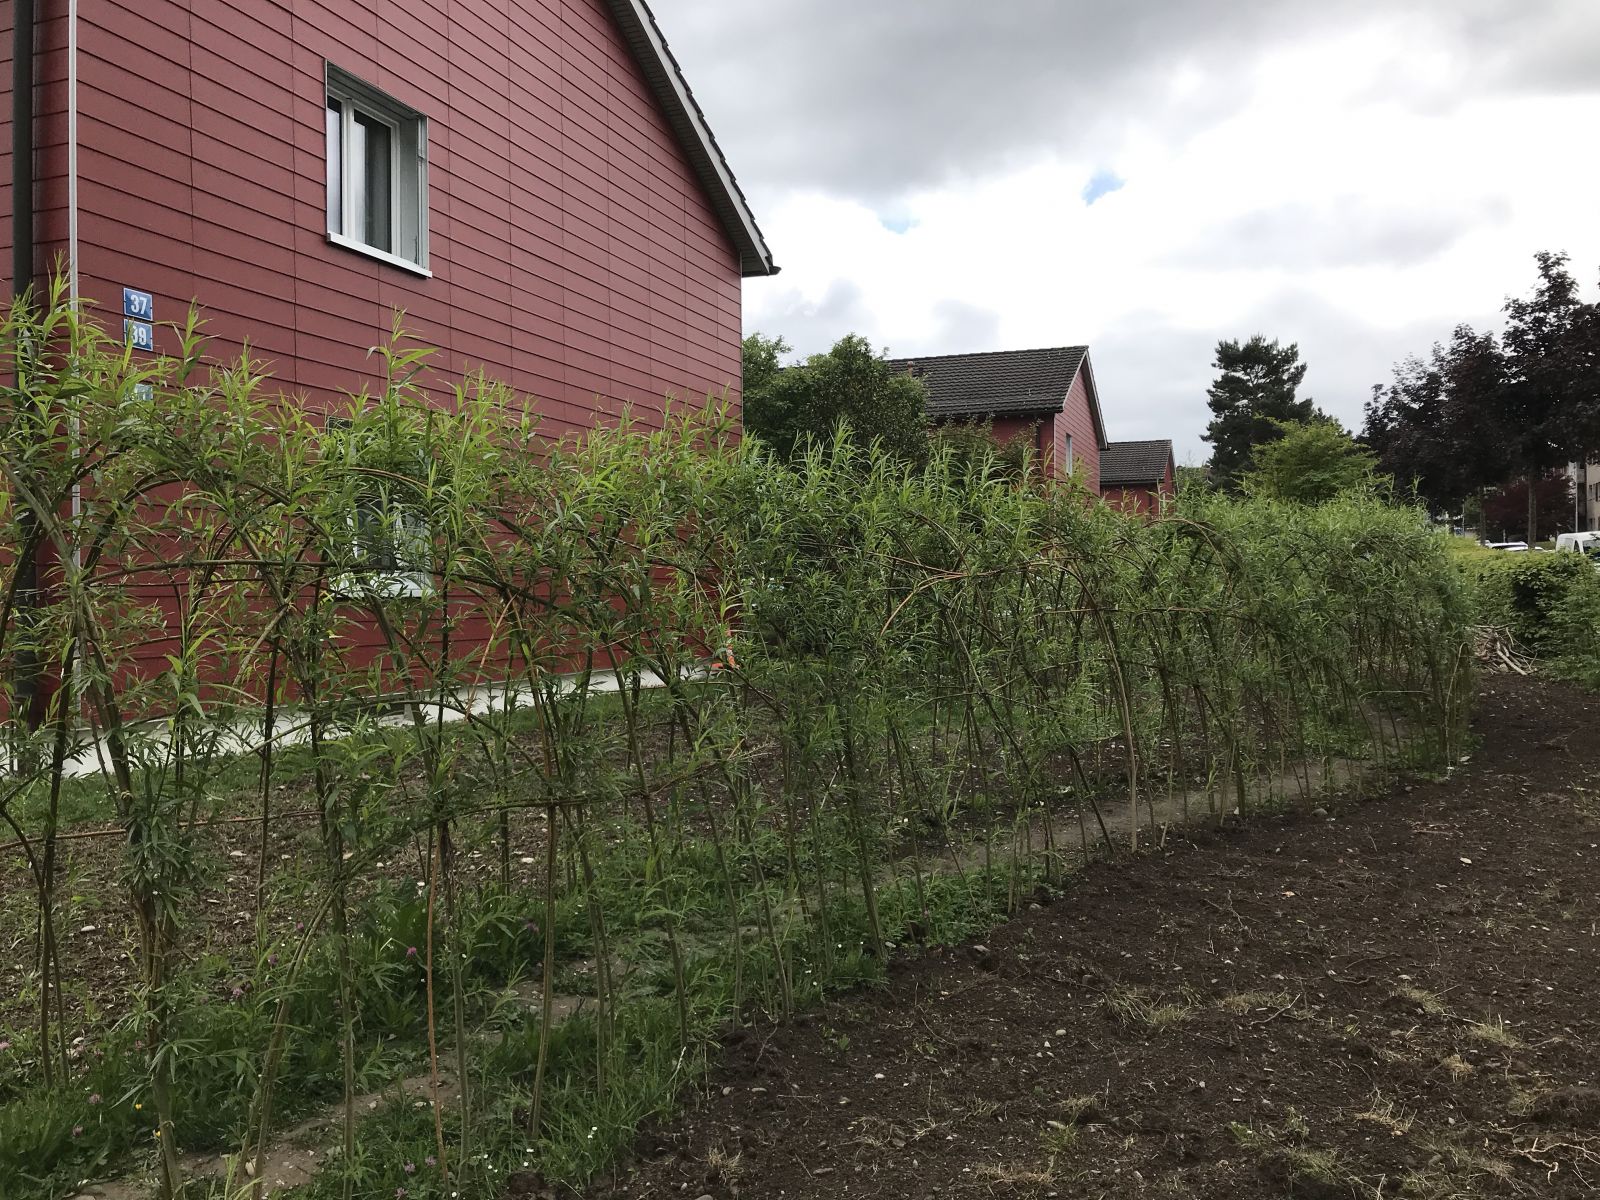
[{"x": 422, "y": 746}]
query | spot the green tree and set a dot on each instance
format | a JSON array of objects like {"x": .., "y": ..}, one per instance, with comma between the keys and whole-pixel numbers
[
  {"x": 1311, "y": 463},
  {"x": 763, "y": 360},
  {"x": 1548, "y": 399},
  {"x": 972, "y": 444},
  {"x": 1253, "y": 395},
  {"x": 792, "y": 407},
  {"x": 1486, "y": 409},
  {"x": 1433, "y": 431}
]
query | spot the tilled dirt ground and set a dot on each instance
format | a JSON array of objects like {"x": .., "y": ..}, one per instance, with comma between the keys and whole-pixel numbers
[{"x": 1400, "y": 999}]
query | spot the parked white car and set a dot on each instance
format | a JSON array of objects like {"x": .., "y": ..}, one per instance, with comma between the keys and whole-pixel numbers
[
  {"x": 1513, "y": 546},
  {"x": 1583, "y": 543}
]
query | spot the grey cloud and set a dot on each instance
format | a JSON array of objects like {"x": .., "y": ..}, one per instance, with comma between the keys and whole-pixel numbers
[
  {"x": 873, "y": 99},
  {"x": 960, "y": 327},
  {"x": 1153, "y": 374},
  {"x": 1345, "y": 353},
  {"x": 812, "y": 327},
  {"x": 1152, "y": 378},
  {"x": 1345, "y": 231},
  {"x": 1545, "y": 47}
]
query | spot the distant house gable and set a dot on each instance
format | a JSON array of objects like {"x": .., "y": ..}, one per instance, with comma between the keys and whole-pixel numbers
[
  {"x": 996, "y": 383},
  {"x": 1051, "y": 388},
  {"x": 1136, "y": 464},
  {"x": 1137, "y": 477}
]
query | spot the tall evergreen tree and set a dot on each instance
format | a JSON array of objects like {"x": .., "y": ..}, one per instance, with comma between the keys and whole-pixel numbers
[{"x": 1251, "y": 400}]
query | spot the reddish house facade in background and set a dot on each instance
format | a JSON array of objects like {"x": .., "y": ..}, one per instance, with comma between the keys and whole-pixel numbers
[
  {"x": 530, "y": 181},
  {"x": 1138, "y": 477},
  {"x": 1047, "y": 396}
]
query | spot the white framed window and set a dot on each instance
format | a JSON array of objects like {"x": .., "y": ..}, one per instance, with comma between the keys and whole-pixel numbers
[
  {"x": 391, "y": 549},
  {"x": 1070, "y": 464},
  {"x": 377, "y": 173},
  {"x": 386, "y": 550}
]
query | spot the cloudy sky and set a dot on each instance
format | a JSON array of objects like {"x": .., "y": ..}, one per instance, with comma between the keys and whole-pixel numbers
[{"x": 1149, "y": 176}]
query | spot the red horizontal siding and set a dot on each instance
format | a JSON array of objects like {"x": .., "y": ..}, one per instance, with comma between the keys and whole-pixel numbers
[
  {"x": 1077, "y": 420},
  {"x": 574, "y": 254},
  {"x": 573, "y": 251},
  {"x": 1136, "y": 501}
]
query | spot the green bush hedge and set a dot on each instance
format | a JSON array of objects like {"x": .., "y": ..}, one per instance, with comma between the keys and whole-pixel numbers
[
  {"x": 1549, "y": 602},
  {"x": 864, "y": 667}
]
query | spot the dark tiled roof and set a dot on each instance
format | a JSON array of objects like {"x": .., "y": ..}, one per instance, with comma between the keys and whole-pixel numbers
[
  {"x": 1132, "y": 464},
  {"x": 1002, "y": 382}
]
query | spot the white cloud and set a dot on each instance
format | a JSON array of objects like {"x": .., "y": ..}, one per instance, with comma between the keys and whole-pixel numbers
[{"x": 1359, "y": 192}]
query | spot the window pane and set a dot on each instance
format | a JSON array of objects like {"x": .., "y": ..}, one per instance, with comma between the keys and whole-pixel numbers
[
  {"x": 335, "y": 165},
  {"x": 375, "y": 534},
  {"x": 374, "y": 192}
]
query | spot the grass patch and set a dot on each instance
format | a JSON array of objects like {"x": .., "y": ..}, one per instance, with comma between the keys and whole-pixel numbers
[
  {"x": 1058, "y": 1138},
  {"x": 1135, "y": 1009},
  {"x": 1429, "y": 1003},
  {"x": 1386, "y": 1115},
  {"x": 1493, "y": 1032},
  {"x": 1015, "y": 1175},
  {"x": 1081, "y": 1110},
  {"x": 1242, "y": 1003},
  {"x": 1458, "y": 1067}
]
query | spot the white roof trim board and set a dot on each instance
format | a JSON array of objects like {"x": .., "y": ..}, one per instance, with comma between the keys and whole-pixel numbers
[{"x": 661, "y": 72}]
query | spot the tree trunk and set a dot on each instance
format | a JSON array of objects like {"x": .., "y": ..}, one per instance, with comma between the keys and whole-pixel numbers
[{"x": 1533, "y": 508}]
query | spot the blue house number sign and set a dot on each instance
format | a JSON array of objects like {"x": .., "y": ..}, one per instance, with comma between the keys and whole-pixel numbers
[
  {"x": 141, "y": 335},
  {"x": 138, "y": 309},
  {"x": 139, "y": 305}
]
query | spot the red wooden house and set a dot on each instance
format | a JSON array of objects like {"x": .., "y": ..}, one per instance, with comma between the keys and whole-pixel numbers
[
  {"x": 1138, "y": 477},
  {"x": 1047, "y": 396},
  {"x": 530, "y": 181}
]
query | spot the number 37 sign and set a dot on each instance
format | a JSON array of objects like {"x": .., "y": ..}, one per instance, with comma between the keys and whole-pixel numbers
[{"x": 138, "y": 311}]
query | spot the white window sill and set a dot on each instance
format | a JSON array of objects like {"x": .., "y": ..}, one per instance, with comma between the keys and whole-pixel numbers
[{"x": 383, "y": 256}]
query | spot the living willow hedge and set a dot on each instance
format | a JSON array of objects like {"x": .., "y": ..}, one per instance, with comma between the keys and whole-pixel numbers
[{"x": 553, "y": 759}]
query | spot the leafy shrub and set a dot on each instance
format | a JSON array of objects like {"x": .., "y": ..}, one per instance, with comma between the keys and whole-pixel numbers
[
  {"x": 850, "y": 385},
  {"x": 1573, "y": 649},
  {"x": 1547, "y": 601}
]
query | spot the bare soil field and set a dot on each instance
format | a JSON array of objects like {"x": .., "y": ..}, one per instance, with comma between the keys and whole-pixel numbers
[{"x": 1397, "y": 998}]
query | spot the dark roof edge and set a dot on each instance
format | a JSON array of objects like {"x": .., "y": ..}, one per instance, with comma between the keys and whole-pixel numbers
[
  {"x": 665, "y": 77},
  {"x": 1045, "y": 408},
  {"x": 1087, "y": 371},
  {"x": 922, "y": 358}
]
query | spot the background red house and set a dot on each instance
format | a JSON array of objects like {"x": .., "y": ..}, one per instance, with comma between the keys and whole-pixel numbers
[
  {"x": 1048, "y": 396},
  {"x": 1137, "y": 476},
  {"x": 531, "y": 181}
]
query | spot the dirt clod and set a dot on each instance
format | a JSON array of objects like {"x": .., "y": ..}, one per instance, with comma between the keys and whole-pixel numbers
[{"x": 1571, "y": 1107}]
